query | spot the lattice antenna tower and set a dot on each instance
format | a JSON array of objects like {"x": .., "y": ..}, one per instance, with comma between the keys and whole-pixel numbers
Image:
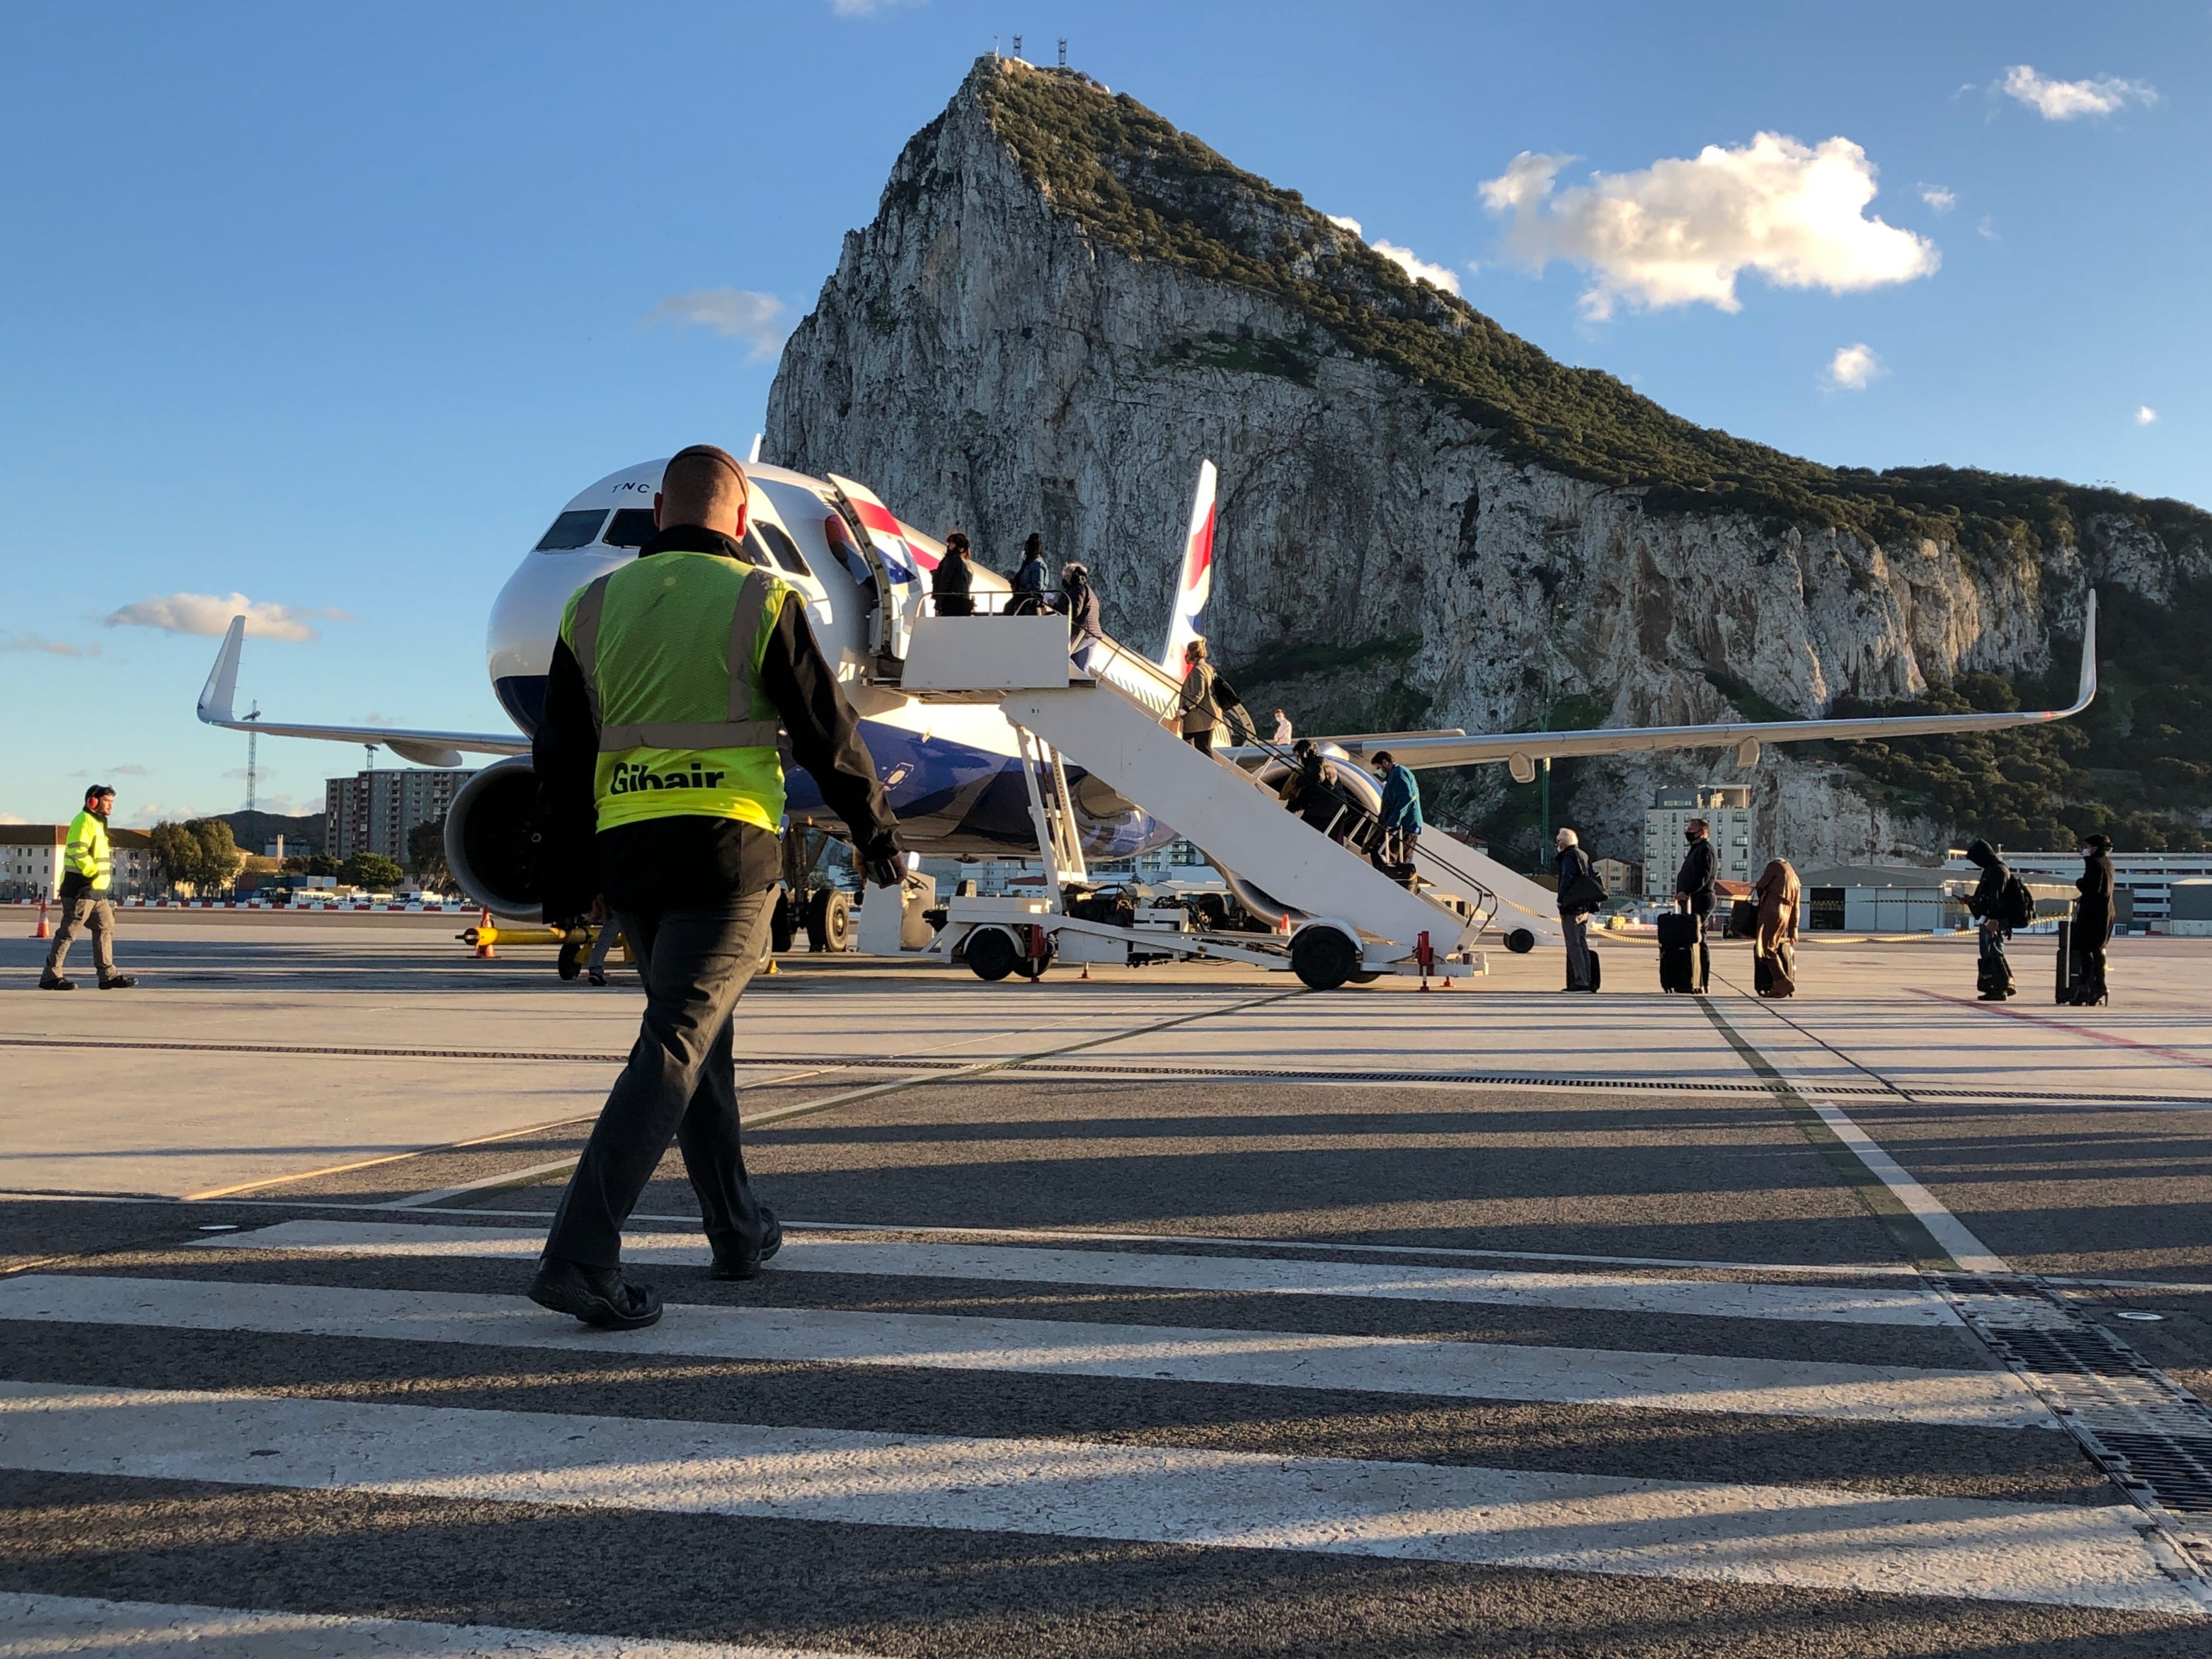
[
  {"x": 252, "y": 755},
  {"x": 1018, "y": 46},
  {"x": 1063, "y": 51}
]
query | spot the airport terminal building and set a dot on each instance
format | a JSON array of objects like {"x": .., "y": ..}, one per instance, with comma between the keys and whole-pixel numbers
[{"x": 31, "y": 866}]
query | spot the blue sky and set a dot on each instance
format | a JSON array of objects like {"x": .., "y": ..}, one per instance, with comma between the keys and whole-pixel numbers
[{"x": 333, "y": 307}]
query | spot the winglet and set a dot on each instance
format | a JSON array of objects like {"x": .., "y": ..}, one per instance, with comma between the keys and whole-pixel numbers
[
  {"x": 2088, "y": 689},
  {"x": 221, "y": 691}
]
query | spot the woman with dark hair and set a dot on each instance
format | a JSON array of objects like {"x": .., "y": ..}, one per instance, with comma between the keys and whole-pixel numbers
[
  {"x": 952, "y": 583},
  {"x": 2093, "y": 920},
  {"x": 1030, "y": 580},
  {"x": 1079, "y": 600}
]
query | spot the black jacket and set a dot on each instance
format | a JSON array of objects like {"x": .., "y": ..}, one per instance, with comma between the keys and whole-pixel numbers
[
  {"x": 950, "y": 585},
  {"x": 1313, "y": 792},
  {"x": 2092, "y": 917},
  {"x": 1696, "y": 878},
  {"x": 1987, "y": 900},
  {"x": 673, "y": 863},
  {"x": 1569, "y": 867},
  {"x": 1081, "y": 602}
]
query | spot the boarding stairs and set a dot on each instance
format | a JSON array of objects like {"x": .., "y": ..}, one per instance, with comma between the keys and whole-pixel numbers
[{"x": 1107, "y": 718}]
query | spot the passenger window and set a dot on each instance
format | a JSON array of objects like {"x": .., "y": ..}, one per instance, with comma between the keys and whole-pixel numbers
[
  {"x": 785, "y": 549},
  {"x": 633, "y": 528},
  {"x": 573, "y": 530}
]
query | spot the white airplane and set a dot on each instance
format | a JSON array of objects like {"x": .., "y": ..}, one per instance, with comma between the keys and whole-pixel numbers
[{"x": 952, "y": 771}]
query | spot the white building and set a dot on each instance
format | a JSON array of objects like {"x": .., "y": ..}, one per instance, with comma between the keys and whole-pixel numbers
[
  {"x": 1725, "y": 806},
  {"x": 2144, "y": 880},
  {"x": 31, "y": 866},
  {"x": 375, "y": 812}
]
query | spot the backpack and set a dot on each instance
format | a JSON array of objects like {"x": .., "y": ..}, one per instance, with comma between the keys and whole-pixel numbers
[{"x": 2015, "y": 904}]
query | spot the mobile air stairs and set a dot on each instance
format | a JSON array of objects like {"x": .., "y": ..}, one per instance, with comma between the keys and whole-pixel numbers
[{"x": 1340, "y": 919}]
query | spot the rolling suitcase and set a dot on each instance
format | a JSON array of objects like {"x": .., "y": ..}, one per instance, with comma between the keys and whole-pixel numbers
[
  {"x": 1680, "y": 939},
  {"x": 2069, "y": 965},
  {"x": 1775, "y": 976}
]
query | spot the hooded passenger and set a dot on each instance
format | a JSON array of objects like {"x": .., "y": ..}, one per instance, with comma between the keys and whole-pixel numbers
[{"x": 1993, "y": 979}]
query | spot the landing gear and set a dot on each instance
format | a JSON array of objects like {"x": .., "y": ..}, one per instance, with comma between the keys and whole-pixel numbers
[{"x": 1323, "y": 958}]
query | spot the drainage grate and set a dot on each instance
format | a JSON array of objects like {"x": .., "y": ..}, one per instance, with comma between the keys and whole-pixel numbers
[{"x": 2152, "y": 1438}]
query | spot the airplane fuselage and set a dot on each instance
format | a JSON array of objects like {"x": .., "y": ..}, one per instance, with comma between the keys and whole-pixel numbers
[{"x": 951, "y": 770}]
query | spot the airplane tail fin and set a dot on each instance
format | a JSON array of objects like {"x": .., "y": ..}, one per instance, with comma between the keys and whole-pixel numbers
[
  {"x": 1195, "y": 585},
  {"x": 221, "y": 692}
]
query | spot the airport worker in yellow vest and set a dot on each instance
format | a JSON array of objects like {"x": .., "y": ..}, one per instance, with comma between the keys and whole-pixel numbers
[
  {"x": 660, "y": 795},
  {"x": 88, "y": 875}
]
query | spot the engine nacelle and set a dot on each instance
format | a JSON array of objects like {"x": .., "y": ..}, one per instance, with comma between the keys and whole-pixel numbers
[{"x": 493, "y": 844}]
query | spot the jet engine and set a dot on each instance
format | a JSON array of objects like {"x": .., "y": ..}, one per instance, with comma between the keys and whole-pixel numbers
[{"x": 492, "y": 841}]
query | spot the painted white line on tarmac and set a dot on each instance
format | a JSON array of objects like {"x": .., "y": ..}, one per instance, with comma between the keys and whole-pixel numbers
[
  {"x": 1877, "y": 1305},
  {"x": 57, "y": 1625},
  {"x": 1051, "y": 1347},
  {"x": 1957, "y": 1241},
  {"x": 1808, "y": 1537}
]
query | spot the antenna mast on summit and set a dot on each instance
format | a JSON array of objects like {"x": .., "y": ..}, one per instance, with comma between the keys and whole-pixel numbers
[
  {"x": 252, "y": 752},
  {"x": 1018, "y": 47},
  {"x": 1063, "y": 51}
]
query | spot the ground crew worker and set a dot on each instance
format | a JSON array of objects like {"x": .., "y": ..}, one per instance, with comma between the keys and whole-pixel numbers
[
  {"x": 88, "y": 866},
  {"x": 660, "y": 790}
]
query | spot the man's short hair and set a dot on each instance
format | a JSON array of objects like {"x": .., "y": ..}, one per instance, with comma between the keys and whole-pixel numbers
[
  {"x": 1699, "y": 824},
  {"x": 98, "y": 790},
  {"x": 701, "y": 483},
  {"x": 1383, "y": 759}
]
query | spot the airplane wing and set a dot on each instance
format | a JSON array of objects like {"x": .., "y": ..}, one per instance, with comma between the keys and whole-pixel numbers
[
  {"x": 428, "y": 748},
  {"x": 1520, "y": 750}
]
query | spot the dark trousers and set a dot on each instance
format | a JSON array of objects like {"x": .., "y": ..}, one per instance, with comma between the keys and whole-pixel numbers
[
  {"x": 1993, "y": 973},
  {"x": 1575, "y": 927},
  {"x": 2090, "y": 983},
  {"x": 680, "y": 1080},
  {"x": 86, "y": 912},
  {"x": 1200, "y": 740}
]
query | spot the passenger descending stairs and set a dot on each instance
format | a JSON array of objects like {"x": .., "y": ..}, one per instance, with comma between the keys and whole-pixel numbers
[{"x": 1110, "y": 725}]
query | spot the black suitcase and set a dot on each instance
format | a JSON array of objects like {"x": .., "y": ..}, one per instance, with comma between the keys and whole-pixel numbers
[
  {"x": 2069, "y": 965},
  {"x": 1743, "y": 919},
  {"x": 1774, "y": 975},
  {"x": 1680, "y": 939},
  {"x": 1597, "y": 973}
]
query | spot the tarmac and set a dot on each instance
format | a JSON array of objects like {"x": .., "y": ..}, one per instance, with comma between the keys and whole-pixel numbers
[{"x": 1177, "y": 1311}]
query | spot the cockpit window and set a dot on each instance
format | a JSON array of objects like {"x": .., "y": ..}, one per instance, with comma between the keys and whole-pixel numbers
[
  {"x": 633, "y": 528},
  {"x": 785, "y": 549},
  {"x": 571, "y": 529}
]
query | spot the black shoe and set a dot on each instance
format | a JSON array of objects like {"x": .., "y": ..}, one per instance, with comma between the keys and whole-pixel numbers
[
  {"x": 1993, "y": 996},
  {"x": 120, "y": 982},
  {"x": 55, "y": 983},
  {"x": 598, "y": 1295},
  {"x": 746, "y": 1264},
  {"x": 597, "y": 976}
]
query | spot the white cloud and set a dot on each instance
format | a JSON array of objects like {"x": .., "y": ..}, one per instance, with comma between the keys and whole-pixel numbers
[
  {"x": 130, "y": 771},
  {"x": 1418, "y": 268},
  {"x": 1405, "y": 258},
  {"x": 2063, "y": 100},
  {"x": 1939, "y": 197},
  {"x": 1680, "y": 231},
  {"x": 48, "y": 647},
  {"x": 1987, "y": 229},
  {"x": 1854, "y": 367},
  {"x": 732, "y": 313},
  {"x": 864, "y": 7},
  {"x": 2145, "y": 414},
  {"x": 204, "y": 613}
]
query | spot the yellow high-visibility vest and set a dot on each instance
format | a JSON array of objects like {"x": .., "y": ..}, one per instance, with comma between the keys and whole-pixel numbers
[
  {"x": 670, "y": 649},
  {"x": 88, "y": 853}
]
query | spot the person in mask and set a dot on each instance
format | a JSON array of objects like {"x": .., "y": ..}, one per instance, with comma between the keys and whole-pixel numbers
[
  {"x": 1694, "y": 882},
  {"x": 2093, "y": 918},
  {"x": 1986, "y": 904}
]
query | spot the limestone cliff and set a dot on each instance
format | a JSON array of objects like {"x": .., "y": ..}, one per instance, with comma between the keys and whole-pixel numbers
[{"x": 1063, "y": 304}]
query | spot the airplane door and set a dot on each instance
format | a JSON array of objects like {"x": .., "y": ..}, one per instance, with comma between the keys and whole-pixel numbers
[{"x": 891, "y": 558}]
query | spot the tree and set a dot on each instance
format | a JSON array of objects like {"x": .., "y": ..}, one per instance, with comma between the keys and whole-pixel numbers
[
  {"x": 322, "y": 864},
  {"x": 426, "y": 853},
  {"x": 220, "y": 858},
  {"x": 178, "y": 851},
  {"x": 372, "y": 871}
]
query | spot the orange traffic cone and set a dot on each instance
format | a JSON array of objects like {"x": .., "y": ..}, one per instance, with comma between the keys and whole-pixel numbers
[
  {"x": 484, "y": 934},
  {"x": 42, "y": 931}
]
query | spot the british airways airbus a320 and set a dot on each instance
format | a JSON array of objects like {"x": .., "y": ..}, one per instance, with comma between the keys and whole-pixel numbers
[{"x": 952, "y": 770}]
